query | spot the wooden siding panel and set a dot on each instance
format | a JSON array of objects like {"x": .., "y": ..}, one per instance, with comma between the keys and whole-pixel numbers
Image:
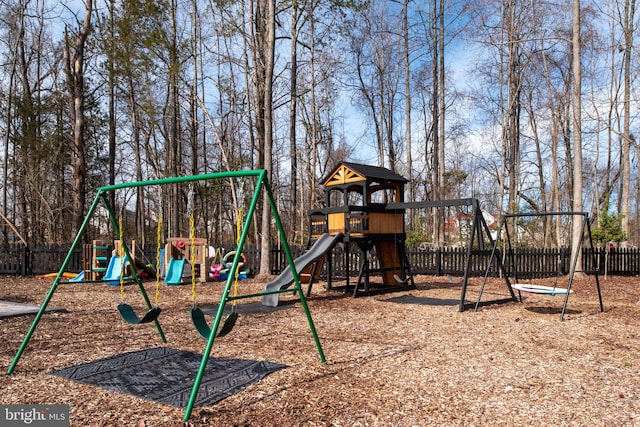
[{"x": 386, "y": 223}]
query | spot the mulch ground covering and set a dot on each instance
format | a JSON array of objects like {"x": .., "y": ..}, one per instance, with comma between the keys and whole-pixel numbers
[{"x": 404, "y": 359}]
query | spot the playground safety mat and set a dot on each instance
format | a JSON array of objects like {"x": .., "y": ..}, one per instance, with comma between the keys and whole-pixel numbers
[{"x": 166, "y": 375}]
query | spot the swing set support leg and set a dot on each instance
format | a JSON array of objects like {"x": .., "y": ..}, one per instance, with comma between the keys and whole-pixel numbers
[
  {"x": 298, "y": 286},
  {"x": 262, "y": 182},
  {"x": 36, "y": 320},
  {"x": 205, "y": 355},
  {"x": 58, "y": 278},
  {"x": 54, "y": 286}
]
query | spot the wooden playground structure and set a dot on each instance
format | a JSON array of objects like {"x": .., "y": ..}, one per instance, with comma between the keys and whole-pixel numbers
[
  {"x": 356, "y": 197},
  {"x": 366, "y": 205}
]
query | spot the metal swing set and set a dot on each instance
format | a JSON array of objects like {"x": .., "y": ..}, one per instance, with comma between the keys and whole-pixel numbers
[
  {"x": 514, "y": 281},
  {"x": 152, "y": 315}
]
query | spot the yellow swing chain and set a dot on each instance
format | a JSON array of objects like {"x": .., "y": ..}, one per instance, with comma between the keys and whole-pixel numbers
[
  {"x": 192, "y": 255},
  {"x": 237, "y": 275},
  {"x": 120, "y": 235},
  {"x": 158, "y": 243}
]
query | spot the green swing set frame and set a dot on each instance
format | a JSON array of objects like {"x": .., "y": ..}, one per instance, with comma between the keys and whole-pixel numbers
[{"x": 262, "y": 184}]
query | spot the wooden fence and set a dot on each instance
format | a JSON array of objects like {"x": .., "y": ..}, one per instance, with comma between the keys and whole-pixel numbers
[{"x": 530, "y": 263}]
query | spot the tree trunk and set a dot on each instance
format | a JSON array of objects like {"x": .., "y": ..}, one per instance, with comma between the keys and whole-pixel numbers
[
  {"x": 629, "y": 12},
  {"x": 513, "y": 107},
  {"x": 112, "y": 103},
  {"x": 7, "y": 144},
  {"x": 267, "y": 107},
  {"x": 135, "y": 130},
  {"x": 440, "y": 107},
  {"x": 174, "y": 150},
  {"x": 438, "y": 219},
  {"x": 293, "y": 114},
  {"x": 407, "y": 107},
  {"x": 314, "y": 113},
  {"x": 576, "y": 235},
  {"x": 74, "y": 66}
]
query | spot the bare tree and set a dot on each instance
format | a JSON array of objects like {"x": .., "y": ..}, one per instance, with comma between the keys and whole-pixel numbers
[
  {"x": 172, "y": 123},
  {"x": 377, "y": 48},
  {"x": 576, "y": 234},
  {"x": 438, "y": 115},
  {"x": 264, "y": 20},
  {"x": 628, "y": 22},
  {"x": 74, "y": 60},
  {"x": 407, "y": 100}
]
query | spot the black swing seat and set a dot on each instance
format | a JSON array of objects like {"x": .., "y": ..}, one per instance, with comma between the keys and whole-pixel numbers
[
  {"x": 130, "y": 316},
  {"x": 203, "y": 328}
]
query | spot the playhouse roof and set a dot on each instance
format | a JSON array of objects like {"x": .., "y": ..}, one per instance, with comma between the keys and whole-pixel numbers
[{"x": 347, "y": 172}]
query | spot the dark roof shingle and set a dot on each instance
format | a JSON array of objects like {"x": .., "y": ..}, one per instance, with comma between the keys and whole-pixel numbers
[{"x": 375, "y": 172}]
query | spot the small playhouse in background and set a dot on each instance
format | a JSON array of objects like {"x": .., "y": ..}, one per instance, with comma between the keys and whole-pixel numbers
[{"x": 365, "y": 204}]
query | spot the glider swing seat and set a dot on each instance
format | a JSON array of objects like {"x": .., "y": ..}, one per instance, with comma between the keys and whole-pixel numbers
[{"x": 530, "y": 287}]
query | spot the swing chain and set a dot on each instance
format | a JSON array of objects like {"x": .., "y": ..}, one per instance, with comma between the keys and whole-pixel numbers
[
  {"x": 237, "y": 273},
  {"x": 192, "y": 256},
  {"x": 120, "y": 236},
  {"x": 158, "y": 243}
]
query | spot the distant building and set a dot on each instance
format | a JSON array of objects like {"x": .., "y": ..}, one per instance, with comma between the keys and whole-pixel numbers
[{"x": 457, "y": 229}]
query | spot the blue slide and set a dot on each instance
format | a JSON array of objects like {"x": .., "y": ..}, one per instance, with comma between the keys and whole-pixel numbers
[
  {"x": 174, "y": 271},
  {"x": 321, "y": 247},
  {"x": 112, "y": 275},
  {"x": 78, "y": 278}
]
